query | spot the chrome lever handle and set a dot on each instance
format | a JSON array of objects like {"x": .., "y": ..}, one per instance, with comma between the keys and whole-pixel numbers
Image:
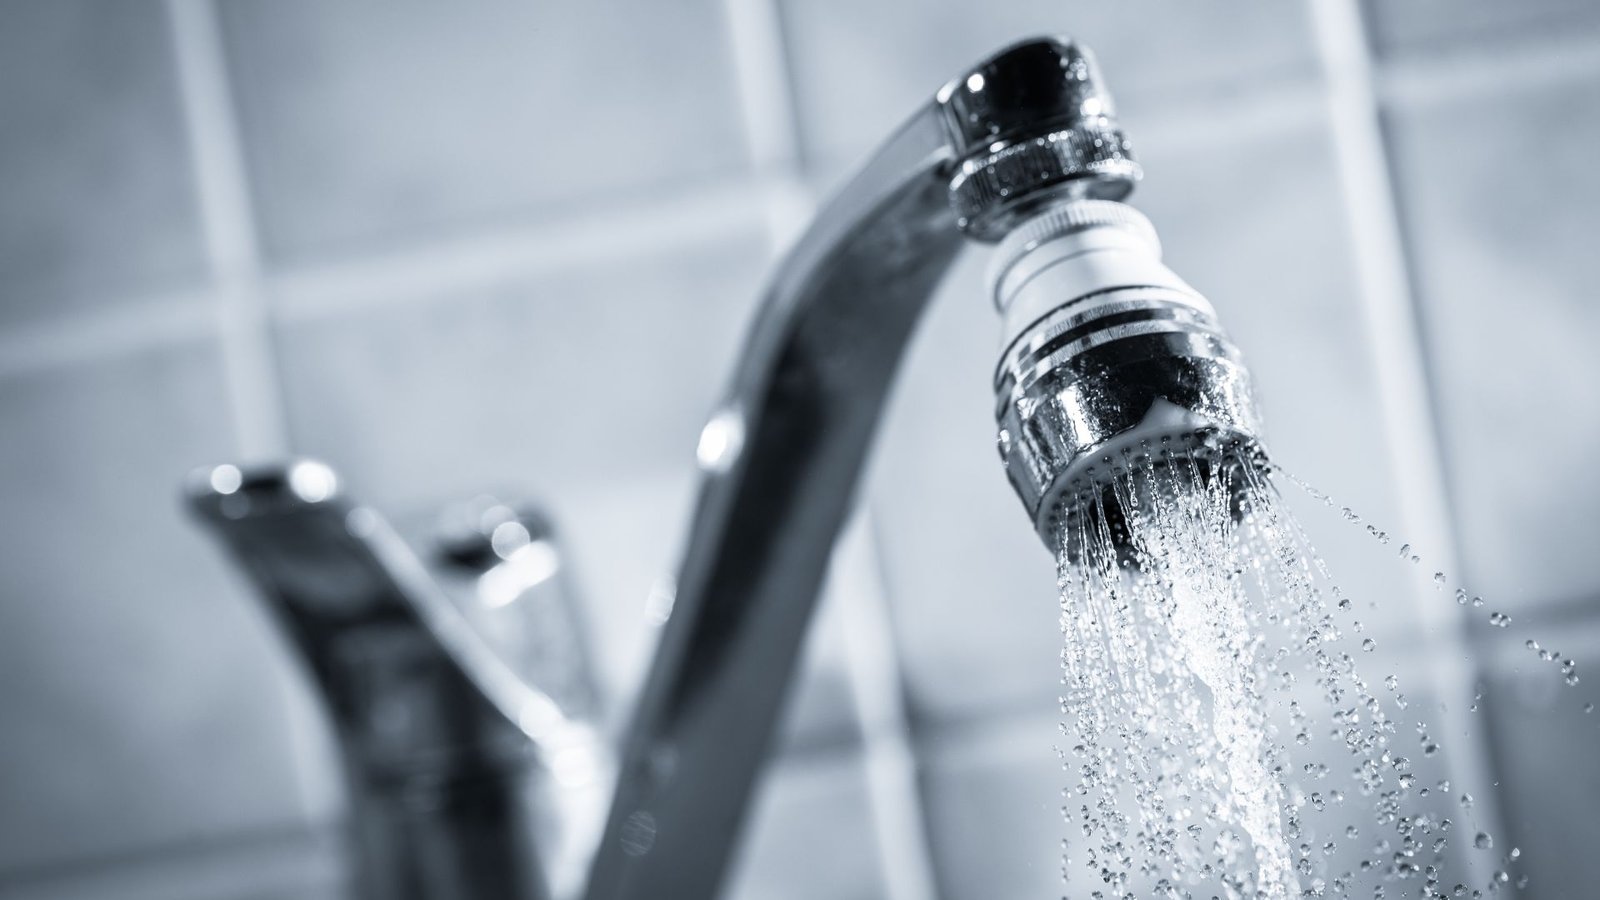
[{"x": 443, "y": 745}]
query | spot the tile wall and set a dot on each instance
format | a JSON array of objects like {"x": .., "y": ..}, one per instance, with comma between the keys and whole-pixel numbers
[{"x": 492, "y": 243}]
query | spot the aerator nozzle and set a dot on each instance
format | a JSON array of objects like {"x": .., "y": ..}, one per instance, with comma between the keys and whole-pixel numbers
[{"x": 1109, "y": 360}]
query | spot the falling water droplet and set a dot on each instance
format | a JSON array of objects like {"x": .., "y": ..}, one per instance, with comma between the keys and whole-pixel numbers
[
  {"x": 1182, "y": 577},
  {"x": 1483, "y": 841}
]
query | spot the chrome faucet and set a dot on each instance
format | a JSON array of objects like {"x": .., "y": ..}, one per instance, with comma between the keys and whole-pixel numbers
[
  {"x": 1104, "y": 351},
  {"x": 473, "y": 770}
]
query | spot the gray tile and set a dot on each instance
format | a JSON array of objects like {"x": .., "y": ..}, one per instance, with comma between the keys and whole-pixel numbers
[
  {"x": 298, "y": 865},
  {"x": 581, "y": 375},
  {"x": 625, "y": 539},
  {"x": 586, "y": 388},
  {"x": 370, "y": 122},
  {"x": 1425, "y": 24},
  {"x": 859, "y": 69},
  {"x": 1507, "y": 287},
  {"x": 1254, "y": 222},
  {"x": 1546, "y": 751},
  {"x": 143, "y": 692},
  {"x": 972, "y": 590},
  {"x": 94, "y": 161},
  {"x": 994, "y": 813},
  {"x": 810, "y": 835}
]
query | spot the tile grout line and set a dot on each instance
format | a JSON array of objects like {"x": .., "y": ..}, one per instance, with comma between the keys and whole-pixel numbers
[
  {"x": 761, "y": 74},
  {"x": 1388, "y": 308},
  {"x": 889, "y": 750},
  {"x": 135, "y": 322},
  {"x": 1524, "y": 64},
  {"x": 229, "y": 226},
  {"x": 767, "y": 101},
  {"x": 250, "y": 368},
  {"x": 400, "y": 275},
  {"x": 767, "y": 110},
  {"x": 290, "y": 859}
]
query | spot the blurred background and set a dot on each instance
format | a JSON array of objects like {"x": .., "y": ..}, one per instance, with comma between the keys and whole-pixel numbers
[{"x": 511, "y": 244}]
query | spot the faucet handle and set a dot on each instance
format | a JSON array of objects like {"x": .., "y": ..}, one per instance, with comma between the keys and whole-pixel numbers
[
  {"x": 479, "y": 533},
  {"x": 1031, "y": 123},
  {"x": 501, "y": 560}
]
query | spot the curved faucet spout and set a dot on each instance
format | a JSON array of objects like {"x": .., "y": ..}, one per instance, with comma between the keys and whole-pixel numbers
[
  {"x": 782, "y": 460},
  {"x": 784, "y": 454}
]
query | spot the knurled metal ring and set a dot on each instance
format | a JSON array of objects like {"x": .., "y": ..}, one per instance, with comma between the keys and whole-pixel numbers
[{"x": 988, "y": 187}]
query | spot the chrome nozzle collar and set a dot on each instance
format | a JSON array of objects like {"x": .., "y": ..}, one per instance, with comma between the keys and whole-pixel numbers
[{"x": 1032, "y": 124}]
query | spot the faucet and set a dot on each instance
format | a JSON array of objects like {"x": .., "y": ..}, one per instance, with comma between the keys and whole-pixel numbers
[
  {"x": 1105, "y": 352},
  {"x": 471, "y": 769}
]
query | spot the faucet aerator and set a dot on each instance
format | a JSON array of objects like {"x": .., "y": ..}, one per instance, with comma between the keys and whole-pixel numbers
[
  {"x": 1109, "y": 361},
  {"x": 1107, "y": 357}
]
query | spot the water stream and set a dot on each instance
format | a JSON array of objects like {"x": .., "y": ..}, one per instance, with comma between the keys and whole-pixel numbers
[{"x": 1221, "y": 735}]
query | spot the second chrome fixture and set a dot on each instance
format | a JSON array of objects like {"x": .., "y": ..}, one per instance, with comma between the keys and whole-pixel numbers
[{"x": 1104, "y": 350}]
